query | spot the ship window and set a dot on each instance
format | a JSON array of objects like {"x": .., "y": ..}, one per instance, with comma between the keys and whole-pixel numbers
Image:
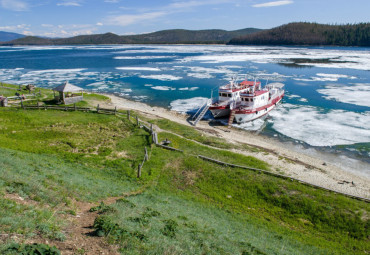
[
  {"x": 220, "y": 94},
  {"x": 228, "y": 95},
  {"x": 251, "y": 99},
  {"x": 247, "y": 99}
]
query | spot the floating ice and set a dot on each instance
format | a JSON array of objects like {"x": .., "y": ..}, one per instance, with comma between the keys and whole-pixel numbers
[
  {"x": 161, "y": 77},
  {"x": 358, "y": 93},
  {"x": 255, "y": 125},
  {"x": 190, "y": 89},
  {"x": 139, "y": 68},
  {"x": 142, "y": 57},
  {"x": 326, "y": 77},
  {"x": 188, "y": 105},
  {"x": 317, "y": 128},
  {"x": 162, "y": 88}
]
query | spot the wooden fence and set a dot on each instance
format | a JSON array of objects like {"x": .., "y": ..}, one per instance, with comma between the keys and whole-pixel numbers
[
  {"x": 150, "y": 129},
  {"x": 266, "y": 172}
]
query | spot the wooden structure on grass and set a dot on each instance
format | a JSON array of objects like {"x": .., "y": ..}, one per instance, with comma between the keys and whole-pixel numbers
[
  {"x": 68, "y": 93},
  {"x": 3, "y": 101}
]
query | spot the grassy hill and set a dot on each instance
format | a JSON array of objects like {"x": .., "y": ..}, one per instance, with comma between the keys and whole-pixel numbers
[
  {"x": 161, "y": 37},
  {"x": 304, "y": 33},
  {"x": 56, "y": 163}
]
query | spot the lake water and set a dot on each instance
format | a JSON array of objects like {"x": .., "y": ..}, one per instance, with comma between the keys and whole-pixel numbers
[{"x": 326, "y": 111}]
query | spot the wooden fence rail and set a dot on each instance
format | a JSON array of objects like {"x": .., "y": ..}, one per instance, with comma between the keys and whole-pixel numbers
[
  {"x": 282, "y": 176},
  {"x": 155, "y": 141}
]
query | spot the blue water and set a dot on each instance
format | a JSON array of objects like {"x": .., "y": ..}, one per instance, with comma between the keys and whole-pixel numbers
[{"x": 326, "y": 108}]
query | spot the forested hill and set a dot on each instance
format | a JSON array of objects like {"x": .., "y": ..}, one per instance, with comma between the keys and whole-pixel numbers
[
  {"x": 174, "y": 36},
  {"x": 309, "y": 34}
]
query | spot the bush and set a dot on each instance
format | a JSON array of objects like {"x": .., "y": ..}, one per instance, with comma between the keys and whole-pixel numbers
[
  {"x": 170, "y": 228},
  {"x": 26, "y": 249}
]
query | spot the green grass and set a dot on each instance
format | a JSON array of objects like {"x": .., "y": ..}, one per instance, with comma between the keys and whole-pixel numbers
[
  {"x": 316, "y": 217},
  {"x": 55, "y": 157},
  {"x": 158, "y": 223},
  {"x": 191, "y": 206},
  {"x": 194, "y": 134}
]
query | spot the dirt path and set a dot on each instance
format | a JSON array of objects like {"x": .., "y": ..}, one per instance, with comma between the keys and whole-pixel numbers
[{"x": 79, "y": 230}]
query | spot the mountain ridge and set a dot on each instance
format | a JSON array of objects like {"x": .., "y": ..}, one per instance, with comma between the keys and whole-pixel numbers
[
  {"x": 305, "y": 33},
  {"x": 8, "y": 36},
  {"x": 172, "y": 36}
]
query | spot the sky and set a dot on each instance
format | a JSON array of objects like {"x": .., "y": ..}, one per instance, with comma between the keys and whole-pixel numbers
[{"x": 65, "y": 18}]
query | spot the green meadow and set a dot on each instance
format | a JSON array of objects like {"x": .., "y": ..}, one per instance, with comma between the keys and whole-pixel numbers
[{"x": 180, "y": 205}]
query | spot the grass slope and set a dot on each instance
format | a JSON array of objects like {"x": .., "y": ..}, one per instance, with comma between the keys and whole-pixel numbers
[{"x": 190, "y": 206}]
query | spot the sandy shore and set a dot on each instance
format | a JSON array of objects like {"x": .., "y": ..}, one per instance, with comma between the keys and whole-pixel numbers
[{"x": 282, "y": 159}]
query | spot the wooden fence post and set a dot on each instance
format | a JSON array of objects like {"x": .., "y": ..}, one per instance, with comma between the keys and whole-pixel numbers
[
  {"x": 155, "y": 138},
  {"x": 146, "y": 158},
  {"x": 38, "y": 105},
  {"x": 128, "y": 114},
  {"x": 97, "y": 109},
  {"x": 151, "y": 128},
  {"x": 75, "y": 106},
  {"x": 22, "y": 103},
  {"x": 139, "y": 171},
  {"x": 137, "y": 120},
  {"x": 115, "y": 110}
]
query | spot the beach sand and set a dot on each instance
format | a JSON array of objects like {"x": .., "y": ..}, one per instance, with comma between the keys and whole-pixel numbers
[{"x": 282, "y": 159}]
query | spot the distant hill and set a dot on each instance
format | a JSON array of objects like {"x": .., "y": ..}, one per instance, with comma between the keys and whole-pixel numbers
[
  {"x": 8, "y": 36},
  {"x": 174, "y": 36},
  {"x": 304, "y": 33}
]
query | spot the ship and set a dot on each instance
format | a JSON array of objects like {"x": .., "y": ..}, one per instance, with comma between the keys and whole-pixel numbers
[
  {"x": 246, "y": 101},
  {"x": 227, "y": 95}
]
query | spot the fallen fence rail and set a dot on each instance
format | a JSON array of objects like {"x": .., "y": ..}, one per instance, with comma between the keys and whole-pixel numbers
[{"x": 282, "y": 176}]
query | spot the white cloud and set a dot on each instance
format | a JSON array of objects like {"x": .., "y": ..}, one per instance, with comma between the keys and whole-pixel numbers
[
  {"x": 47, "y": 25},
  {"x": 274, "y": 3},
  {"x": 28, "y": 33},
  {"x": 14, "y": 5},
  {"x": 99, "y": 24},
  {"x": 69, "y": 3},
  {"x": 125, "y": 20},
  {"x": 111, "y": 1},
  {"x": 144, "y": 15}
]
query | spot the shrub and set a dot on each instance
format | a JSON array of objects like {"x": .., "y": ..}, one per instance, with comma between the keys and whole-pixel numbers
[
  {"x": 26, "y": 249},
  {"x": 170, "y": 228}
]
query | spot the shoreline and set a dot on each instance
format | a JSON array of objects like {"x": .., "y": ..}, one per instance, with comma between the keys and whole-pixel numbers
[{"x": 282, "y": 158}]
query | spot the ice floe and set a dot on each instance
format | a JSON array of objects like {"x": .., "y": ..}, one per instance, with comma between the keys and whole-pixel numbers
[
  {"x": 142, "y": 57},
  {"x": 138, "y": 68},
  {"x": 319, "y": 128},
  {"x": 162, "y": 77},
  {"x": 326, "y": 77},
  {"x": 188, "y": 105},
  {"x": 189, "y": 88},
  {"x": 357, "y": 93},
  {"x": 162, "y": 88}
]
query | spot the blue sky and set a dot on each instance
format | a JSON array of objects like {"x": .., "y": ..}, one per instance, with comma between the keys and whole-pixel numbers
[{"x": 64, "y": 18}]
